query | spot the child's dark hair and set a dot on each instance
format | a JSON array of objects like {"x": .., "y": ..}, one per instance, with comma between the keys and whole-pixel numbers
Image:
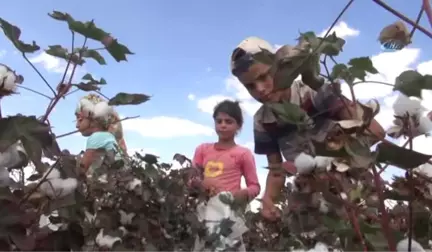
[{"x": 231, "y": 108}]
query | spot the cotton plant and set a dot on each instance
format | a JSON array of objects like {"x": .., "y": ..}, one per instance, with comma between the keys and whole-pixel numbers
[
  {"x": 419, "y": 121},
  {"x": 8, "y": 80},
  {"x": 56, "y": 187}
]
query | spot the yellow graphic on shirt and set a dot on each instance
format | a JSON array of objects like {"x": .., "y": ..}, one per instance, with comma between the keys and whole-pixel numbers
[{"x": 213, "y": 169}]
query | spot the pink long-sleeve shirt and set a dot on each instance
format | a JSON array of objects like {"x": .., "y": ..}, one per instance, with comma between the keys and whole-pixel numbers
[{"x": 225, "y": 167}]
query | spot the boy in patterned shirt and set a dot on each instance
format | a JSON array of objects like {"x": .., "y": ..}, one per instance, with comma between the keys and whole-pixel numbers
[{"x": 251, "y": 63}]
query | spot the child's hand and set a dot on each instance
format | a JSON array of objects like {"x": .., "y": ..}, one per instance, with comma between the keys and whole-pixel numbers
[
  {"x": 210, "y": 186},
  {"x": 269, "y": 210}
]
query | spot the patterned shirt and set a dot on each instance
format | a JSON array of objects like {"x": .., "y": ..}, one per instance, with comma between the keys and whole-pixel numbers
[
  {"x": 322, "y": 105},
  {"x": 225, "y": 167}
]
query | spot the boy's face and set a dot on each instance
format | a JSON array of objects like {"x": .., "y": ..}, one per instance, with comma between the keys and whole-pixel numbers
[{"x": 259, "y": 82}]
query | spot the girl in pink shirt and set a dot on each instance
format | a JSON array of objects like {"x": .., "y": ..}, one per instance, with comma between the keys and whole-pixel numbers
[{"x": 224, "y": 163}]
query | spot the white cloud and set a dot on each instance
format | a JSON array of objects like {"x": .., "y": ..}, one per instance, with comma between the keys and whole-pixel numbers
[
  {"x": 233, "y": 84},
  {"x": 191, "y": 97},
  {"x": 166, "y": 127},
  {"x": 54, "y": 65},
  {"x": 342, "y": 30},
  {"x": 389, "y": 66},
  {"x": 207, "y": 104},
  {"x": 425, "y": 67},
  {"x": 2, "y": 53}
]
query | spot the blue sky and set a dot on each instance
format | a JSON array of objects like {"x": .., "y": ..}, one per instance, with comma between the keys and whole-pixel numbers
[{"x": 182, "y": 52}]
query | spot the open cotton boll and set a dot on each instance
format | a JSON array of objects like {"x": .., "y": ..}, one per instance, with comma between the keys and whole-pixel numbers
[
  {"x": 58, "y": 188},
  {"x": 425, "y": 125},
  {"x": 402, "y": 246},
  {"x": 323, "y": 162},
  {"x": 3, "y": 71},
  {"x": 9, "y": 81},
  {"x": 304, "y": 163},
  {"x": 53, "y": 174},
  {"x": 86, "y": 105},
  {"x": 106, "y": 241},
  {"x": 102, "y": 109},
  {"x": 410, "y": 105}
]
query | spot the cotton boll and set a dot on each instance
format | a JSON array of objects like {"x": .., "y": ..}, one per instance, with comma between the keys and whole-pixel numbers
[
  {"x": 404, "y": 104},
  {"x": 323, "y": 162},
  {"x": 425, "y": 125},
  {"x": 58, "y": 188},
  {"x": 102, "y": 109},
  {"x": 53, "y": 174},
  {"x": 86, "y": 105},
  {"x": 9, "y": 81},
  {"x": 3, "y": 71},
  {"x": 402, "y": 246},
  {"x": 320, "y": 247},
  {"x": 106, "y": 241},
  {"x": 304, "y": 163}
]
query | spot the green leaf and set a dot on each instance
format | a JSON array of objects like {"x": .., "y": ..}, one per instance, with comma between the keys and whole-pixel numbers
[
  {"x": 86, "y": 87},
  {"x": 58, "y": 51},
  {"x": 94, "y": 55},
  {"x": 359, "y": 152},
  {"x": 331, "y": 45},
  {"x": 411, "y": 83},
  {"x": 288, "y": 113},
  {"x": 360, "y": 66},
  {"x": 118, "y": 51},
  {"x": 13, "y": 33},
  {"x": 87, "y": 29},
  {"x": 128, "y": 99},
  {"x": 92, "y": 80},
  {"x": 400, "y": 157}
]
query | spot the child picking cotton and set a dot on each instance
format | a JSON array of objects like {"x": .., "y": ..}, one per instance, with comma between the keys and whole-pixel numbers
[
  {"x": 223, "y": 164},
  {"x": 251, "y": 63},
  {"x": 100, "y": 123}
]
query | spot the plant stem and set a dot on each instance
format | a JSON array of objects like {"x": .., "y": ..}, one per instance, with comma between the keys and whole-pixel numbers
[
  {"x": 385, "y": 220},
  {"x": 404, "y": 18},
  {"x": 375, "y": 82},
  {"x": 34, "y": 91},
  {"x": 410, "y": 182},
  {"x": 68, "y": 85},
  {"x": 39, "y": 73},
  {"x": 417, "y": 21},
  {"x": 427, "y": 8}
]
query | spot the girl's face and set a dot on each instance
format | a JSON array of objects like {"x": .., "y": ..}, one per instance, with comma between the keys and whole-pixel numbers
[
  {"x": 84, "y": 125},
  {"x": 226, "y": 126}
]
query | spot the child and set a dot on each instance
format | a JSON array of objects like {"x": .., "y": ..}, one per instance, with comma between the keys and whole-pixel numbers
[
  {"x": 251, "y": 63},
  {"x": 100, "y": 123},
  {"x": 225, "y": 162}
]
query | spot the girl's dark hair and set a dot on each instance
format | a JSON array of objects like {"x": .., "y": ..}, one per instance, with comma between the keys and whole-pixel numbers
[{"x": 231, "y": 108}]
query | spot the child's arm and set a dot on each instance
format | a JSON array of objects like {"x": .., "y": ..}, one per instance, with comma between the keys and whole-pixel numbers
[
  {"x": 250, "y": 174},
  {"x": 94, "y": 143},
  {"x": 266, "y": 144}
]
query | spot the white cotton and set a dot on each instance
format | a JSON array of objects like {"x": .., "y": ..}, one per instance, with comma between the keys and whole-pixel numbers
[
  {"x": 102, "y": 109},
  {"x": 58, "y": 188},
  {"x": 304, "y": 163},
  {"x": 133, "y": 184},
  {"x": 86, "y": 105},
  {"x": 410, "y": 105},
  {"x": 323, "y": 206},
  {"x": 9, "y": 81},
  {"x": 3, "y": 71},
  {"x": 426, "y": 169},
  {"x": 402, "y": 246},
  {"x": 319, "y": 247},
  {"x": 106, "y": 241},
  {"x": 103, "y": 179},
  {"x": 126, "y": 218},
  {"x": 425, "y": 125},
  {"x": 90, "y": 217},
  {"x": 53, "y": 174},
  {"x": 323, "y": 162}
]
